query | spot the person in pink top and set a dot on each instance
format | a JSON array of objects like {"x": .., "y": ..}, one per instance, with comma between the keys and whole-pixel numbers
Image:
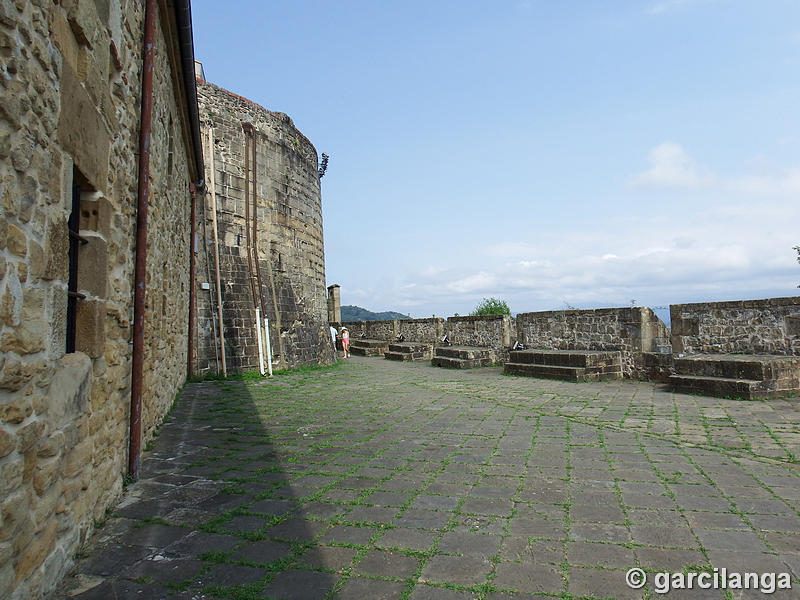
[{"x": 346, "y": 342}]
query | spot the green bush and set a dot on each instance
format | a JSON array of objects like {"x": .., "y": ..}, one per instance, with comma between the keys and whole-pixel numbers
[{"x": 491, "y": 306}]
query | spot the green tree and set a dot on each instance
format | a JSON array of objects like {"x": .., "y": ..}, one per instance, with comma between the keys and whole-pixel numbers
[{"x": 491, "y": 306}]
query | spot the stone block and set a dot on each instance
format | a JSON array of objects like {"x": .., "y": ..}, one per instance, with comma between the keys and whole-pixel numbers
[
  {"x": 11, "y": 474},
  {"x": 90, "y": 321},
  {"x": 792, "y": 325},
  {"x": 96, "y": 215},
  {"x": 11, "y": 302},
  {"x": 28, "y": 436},
  {"x": 56, "y": 250},
  {"x": 82, "y": 15},
  {"x": 77, "y": 459},
  {"x": 34, "y": 555},
  {"x": 93, "y": 265},
  {"x": 64, "y": 39},
  {"x": 17, "y": 410},
  {"x": 7, "y": 443},
  {"x": 36, "y": 261},
  {"x": 69, "y": 389},
  {"x": 29, "y": 336},
  {"x": 82, "y": 130},
  {"x": 52, "y": 445},
  {"x": 17, "y": 241}
]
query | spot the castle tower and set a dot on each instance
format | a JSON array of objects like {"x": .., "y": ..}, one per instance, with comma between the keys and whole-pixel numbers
[{"x": 269, "y": 230}]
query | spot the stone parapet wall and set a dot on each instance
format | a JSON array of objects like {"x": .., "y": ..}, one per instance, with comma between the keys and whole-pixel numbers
[
  {"x": 289, "y": 230},
  {"x": 422, "y": 330},
  {"x": 70, "y": 114},
  {"x": 486, "y": 331},
  {"x": 631, "y": 331},
  {"x": 380, "y": 330},
  {"x": 768, "y": 326}
]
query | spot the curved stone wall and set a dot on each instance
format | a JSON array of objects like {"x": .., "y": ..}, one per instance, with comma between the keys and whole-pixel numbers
[{"x": 289, "y": 230}]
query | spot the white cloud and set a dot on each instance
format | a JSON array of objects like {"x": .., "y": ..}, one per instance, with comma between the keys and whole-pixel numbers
[
  {"x": 713, "y": 255},
  {"x": 671, "y": 167},
  {"x": 479, "y": 282}
]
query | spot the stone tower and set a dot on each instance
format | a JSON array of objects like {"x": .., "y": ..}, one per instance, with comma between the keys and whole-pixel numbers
[{"x": 269, "y": 230}]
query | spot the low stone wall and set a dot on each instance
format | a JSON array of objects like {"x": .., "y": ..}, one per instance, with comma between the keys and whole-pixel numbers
[
  {"x": 422, "y": 330},
  {"x": 769, "y": 326},
  {"x": 487, "y": 331},
  {"x": 374, "y": 330},
  {"x": 631, "y": 331}
]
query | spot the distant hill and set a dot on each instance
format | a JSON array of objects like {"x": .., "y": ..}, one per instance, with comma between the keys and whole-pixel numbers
[{"x": 356, "y": 313}]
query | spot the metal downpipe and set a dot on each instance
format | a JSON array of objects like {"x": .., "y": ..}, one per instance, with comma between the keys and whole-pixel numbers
[
  {"x": 140, "y": 268},
  {"x": 192, "y": 253}
]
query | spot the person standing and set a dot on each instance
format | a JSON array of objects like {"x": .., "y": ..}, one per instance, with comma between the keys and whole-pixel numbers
[
  {"x": 346, "y": 342},
  {"x": 334, "y": 335}
]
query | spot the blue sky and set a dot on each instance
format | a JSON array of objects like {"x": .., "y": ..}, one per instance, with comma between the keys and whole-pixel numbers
[{"x": 552, "y": 154}]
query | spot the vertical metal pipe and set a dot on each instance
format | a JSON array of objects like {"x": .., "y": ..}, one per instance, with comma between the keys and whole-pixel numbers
[
  {"x": 213, "y": 188},
  {"x": 140, "y": 268},
  {"x": 255, "y": 226},
  {"x": 269, "y": 345},
  {"x": 192, "y": 253},
  {"x": 247, "y": 131},
  {"x": 260, "y": 343}
]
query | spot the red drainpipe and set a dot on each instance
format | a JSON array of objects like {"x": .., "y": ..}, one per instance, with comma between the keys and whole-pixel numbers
[
  {"x": 140, "y": 269},
  {"x": 190, "y": 349}
]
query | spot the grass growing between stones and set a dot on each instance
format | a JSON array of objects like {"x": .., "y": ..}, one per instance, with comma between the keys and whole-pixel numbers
[{"x": 381, "y": 478}]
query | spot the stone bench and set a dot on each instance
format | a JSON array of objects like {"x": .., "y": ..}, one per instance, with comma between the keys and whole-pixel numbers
[
  {"x": 744, "y": 376},
  {"x": 461, "y": 357},
  {"x": 368, "y": 347},
  {"x": 568, "y": 365},
  {"x": 409, "y": 351}
]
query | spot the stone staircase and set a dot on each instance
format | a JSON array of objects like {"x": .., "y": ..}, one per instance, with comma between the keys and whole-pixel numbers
[
  {"x": 744, "y": 376},
  {"x": 461, "y": 357},
  {"x": 368, "y": 347},
  {"x": 408, "y": 351},
  {"x": 569, "y": 365}
]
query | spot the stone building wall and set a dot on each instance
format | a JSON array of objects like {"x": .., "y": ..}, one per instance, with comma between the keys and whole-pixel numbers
[
  {"x": 290, "y": 243},
  {"x": 485, "y": 331},
  {"x": 69, "y": 113},
  {"x": 632, "y": 331},
  {"x": 769, "y": 326},
  {"x": 428, "y": 331}
]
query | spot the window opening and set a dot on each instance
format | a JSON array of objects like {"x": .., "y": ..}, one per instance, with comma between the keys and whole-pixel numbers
[{"x": 73, "y": 296}]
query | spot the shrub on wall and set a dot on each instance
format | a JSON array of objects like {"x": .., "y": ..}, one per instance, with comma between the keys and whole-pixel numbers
[{"x": 491, "y": 306}]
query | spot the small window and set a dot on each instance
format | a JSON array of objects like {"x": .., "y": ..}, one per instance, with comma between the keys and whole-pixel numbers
[{"x": 73, "y": 296}]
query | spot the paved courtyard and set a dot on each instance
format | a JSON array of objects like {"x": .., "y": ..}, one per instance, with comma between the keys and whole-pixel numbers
[{"x": 383, "y": 480}]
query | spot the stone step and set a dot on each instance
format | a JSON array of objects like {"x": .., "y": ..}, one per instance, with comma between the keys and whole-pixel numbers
[
  {"x": 368, "y": 347},
  {"x": 408, "y": 351},
  {"x": 565, "y": 373},
  {"x": 463, "y": 352},
  {"x": 406, "y": 356},
  {"x": 567, "y": 358},
  {"x": 759, "y": 367},
  {"x": 409, "y": 347},
  {"x": 450, "y": 362},
  {"x": 723, "y": 387}
]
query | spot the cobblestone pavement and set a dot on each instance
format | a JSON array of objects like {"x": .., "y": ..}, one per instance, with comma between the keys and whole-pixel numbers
[{"x": 382, "y": 480}]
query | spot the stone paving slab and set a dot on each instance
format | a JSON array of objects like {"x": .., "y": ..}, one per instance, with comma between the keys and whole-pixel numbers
[{"x": 376, "y": 479}]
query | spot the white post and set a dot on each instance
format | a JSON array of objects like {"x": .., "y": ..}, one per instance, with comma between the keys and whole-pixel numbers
[
  {"x": 269, "y": 345},
  {"x": 260, "y": 343}
]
